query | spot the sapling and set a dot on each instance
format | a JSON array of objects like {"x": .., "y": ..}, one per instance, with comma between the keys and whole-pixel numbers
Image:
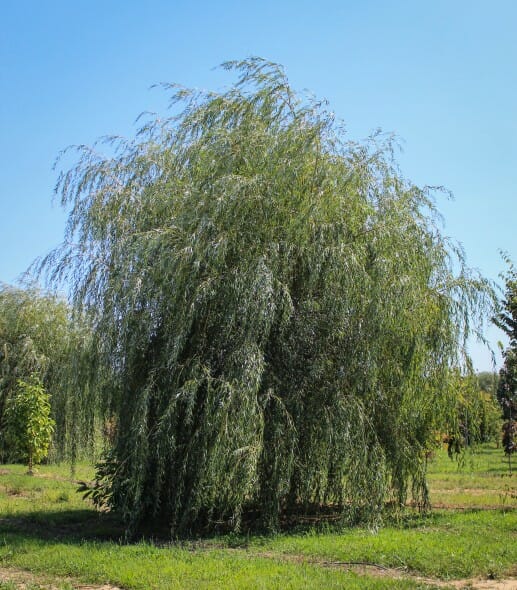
[{"x": 29, "y": 423}]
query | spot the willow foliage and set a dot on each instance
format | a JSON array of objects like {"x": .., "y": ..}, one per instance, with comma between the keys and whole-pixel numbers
[
  {"x": 276, "y": 309},
  {"x": 39, "y": 340}
]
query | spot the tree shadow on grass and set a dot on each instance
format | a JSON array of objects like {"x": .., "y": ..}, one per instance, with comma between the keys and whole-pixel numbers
[
  {"x": 64, "y": 525},
  {"x": 85, "y": 525}
]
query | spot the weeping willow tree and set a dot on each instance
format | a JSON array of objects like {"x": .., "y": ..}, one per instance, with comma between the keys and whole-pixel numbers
[
  {"x": 39, "y": 339},
  {"x": 276, "y": 309}
]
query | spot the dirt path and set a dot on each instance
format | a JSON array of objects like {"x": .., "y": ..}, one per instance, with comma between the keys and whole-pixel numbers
[
  {"x": 371, "y": 569},
  {"x": 465, "y": 584},
  {"x": 485, "y": 584},
  {"x": 23, "y": 579},
  {"x": 399, "y": 574}
]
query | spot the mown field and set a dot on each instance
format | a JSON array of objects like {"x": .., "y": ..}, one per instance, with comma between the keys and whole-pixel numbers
[{"x": 51, "y": 538}]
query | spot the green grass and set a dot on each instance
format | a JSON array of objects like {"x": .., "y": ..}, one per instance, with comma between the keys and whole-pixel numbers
[
  {"x": 48, "y": 531},
  {"x": 445, "y": 546},
  {"x": 480, "y": 479},
  {"x": 145, "y": 566}
]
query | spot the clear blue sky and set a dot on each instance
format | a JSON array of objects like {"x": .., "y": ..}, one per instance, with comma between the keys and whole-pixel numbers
[{"x": 442, "y": 75}]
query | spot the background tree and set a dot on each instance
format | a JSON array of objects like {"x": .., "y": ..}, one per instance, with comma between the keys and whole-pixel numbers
[
  {"x": 506, "y": 320},
  {"x": 39, "y": 337},
  {"x": 507, "y": 389},
  {"x": 275, "y": 308},
  {"x": 29, "y": 426},
  {"x": 488, "y": 381},
  {"x": 510, "y": 441},
  {"x": 478, "y": 414},
  {"x": 489, "y": 408}
]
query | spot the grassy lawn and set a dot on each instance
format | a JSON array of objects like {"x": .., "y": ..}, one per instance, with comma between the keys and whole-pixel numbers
[
  {"x": 54, "y": 539},
  {"x": 480, "y": 479}
]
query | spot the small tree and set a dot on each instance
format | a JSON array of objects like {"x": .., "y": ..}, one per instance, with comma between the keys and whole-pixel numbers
[
  {"x": 29, "y": 424},
  {"x": 510, "y": 441},
  {"x": 507, "y": 390}
]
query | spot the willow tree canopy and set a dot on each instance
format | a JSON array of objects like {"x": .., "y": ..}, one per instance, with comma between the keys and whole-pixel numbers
[{"x": 276, "y": 308}]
